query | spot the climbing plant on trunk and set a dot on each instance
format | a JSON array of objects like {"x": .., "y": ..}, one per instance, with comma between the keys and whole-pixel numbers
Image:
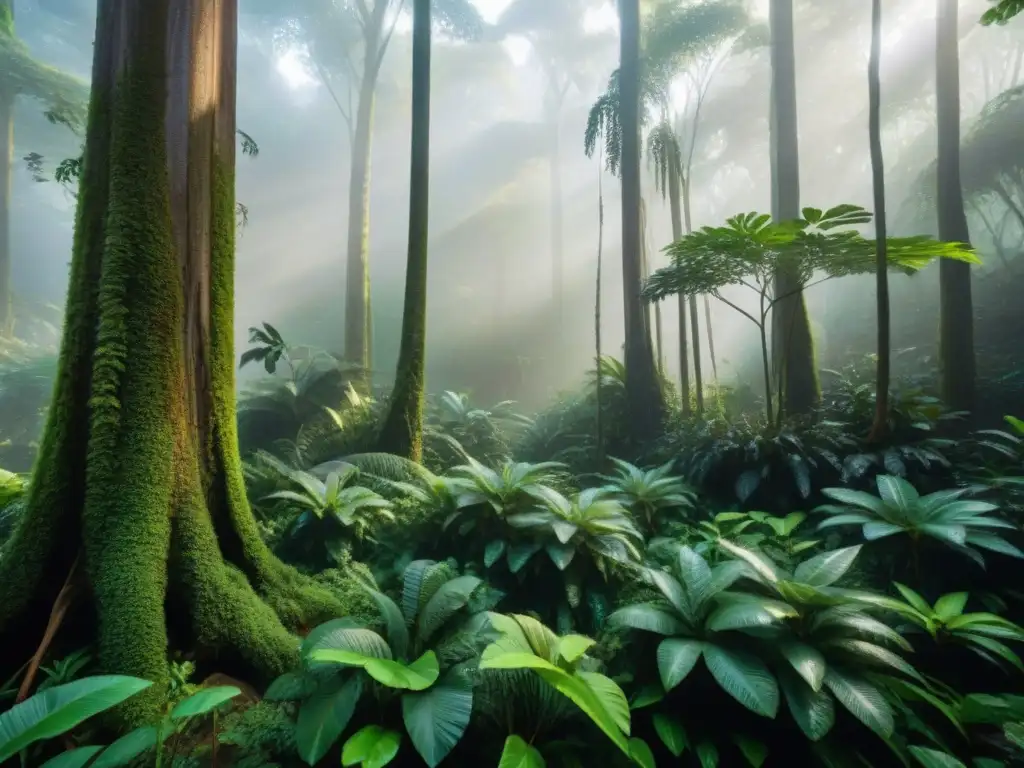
[
  {"x": 64, "y": 96},
  {"x": 138, "y": 491}
]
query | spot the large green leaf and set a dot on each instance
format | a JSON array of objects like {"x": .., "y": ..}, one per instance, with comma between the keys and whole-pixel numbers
[
  {"x": 647, "y": 617},
  {"x": 59, "y": 709},
  {"x": 859, "y": 499},
  {"x": 932, "y": 758},
  {"x": 451, "y": 597},
  {"x": 863, "y": 700},
  {"x": 395, "y": 628},
  {"x": 744, "y": 677},
  {"x": 371, "y": 747},
  {"x": 134, "y": 743},
  {"x": 611, "y": 697},
  {"x": 571, "y": 686},
  {"x": 345, "y": 637},
  {"x": 417, "y": 676},
  {"x": 813, "y": 711},
  {"x": 677, "y": 657},
  {"x": 827, "y": 568},
  {"x": 806, "y": 660},
  {"x": 436, "y": 718},
  {"x": 204, "y": 700},
  {"x": 749, "y": 612},
  {"x": 518, "y": 754},
  {"x": 73, "y": 758},
  {"x": 324, "y": 716},
  {"x": 755, "y": 752},
  {"x": 671, "y": 732},
  {"x": 896, "y": 492}
]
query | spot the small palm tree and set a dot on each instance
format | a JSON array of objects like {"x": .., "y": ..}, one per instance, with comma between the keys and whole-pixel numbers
[
  {"x": 334, "y": 513},
  {"x": 648, "y": 493},
  {"x": 945, "y": 622}
]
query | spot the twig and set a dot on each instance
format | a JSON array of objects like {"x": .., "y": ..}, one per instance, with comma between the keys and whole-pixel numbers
[{"x": 60, "y": 608}]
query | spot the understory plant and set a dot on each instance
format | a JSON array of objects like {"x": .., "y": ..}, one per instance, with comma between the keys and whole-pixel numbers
[
  {"x": 962, "y": 524},
  {"x": 422, "y": 662}
]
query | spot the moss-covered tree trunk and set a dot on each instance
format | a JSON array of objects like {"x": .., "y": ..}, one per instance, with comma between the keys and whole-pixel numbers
[
  {"x": 358, "y": 322},
  {"x": 138, "y": 470},
  {"x": 645, "y": 400},
  {"x": 956, "y": 308},
  {"x": 6, "y": 190},
  {"x": 402, "y": 432},
  {"x": 792, "y": 343}
]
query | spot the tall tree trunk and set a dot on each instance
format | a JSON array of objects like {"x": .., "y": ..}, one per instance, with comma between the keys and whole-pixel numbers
[
  {"x": 138, "y": 467},
  {"x": 402, "y": 432},
  {"x": 956, "y": 324},
  {"x": 674, "y": 188},
  {"x": 645, "y": 400},
  {"x": 358, "y": 342},
  {"x": 880, "y": 427},
  {"x": 711, "y": 339},
  {"x": 792, "y": 344},
  {"x": 6, "y": 190},
  {"x": 698, "y": 378},
  {"x": 695, "y": 338}
]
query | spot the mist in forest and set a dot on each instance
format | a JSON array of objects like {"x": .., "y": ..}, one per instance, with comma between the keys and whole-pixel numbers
[{"x": 491, "y": 307}]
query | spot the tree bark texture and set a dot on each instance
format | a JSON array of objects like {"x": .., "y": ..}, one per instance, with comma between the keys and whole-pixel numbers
[
  {"x": 138, "y": 466},
  {"x": 402, "y": 431},
  {"x": 643, "y": 390},
  {"x": 792, "y": 343},
  {"x": 956, "y": 310}
]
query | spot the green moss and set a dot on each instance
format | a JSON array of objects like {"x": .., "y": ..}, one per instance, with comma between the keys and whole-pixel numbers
[
  {"x": 46, "y": 542},
  {"x": 119, "y": 474}
]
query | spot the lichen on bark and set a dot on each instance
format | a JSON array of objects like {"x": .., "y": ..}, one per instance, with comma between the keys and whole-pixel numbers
[{"x": 139, "y": 470}]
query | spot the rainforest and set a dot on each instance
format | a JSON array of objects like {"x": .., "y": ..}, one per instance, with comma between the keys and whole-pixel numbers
[{"x": 511, "y": 383}]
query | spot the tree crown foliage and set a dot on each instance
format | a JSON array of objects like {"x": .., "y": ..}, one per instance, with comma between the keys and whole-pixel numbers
[
  {"x": 673, "y": 36},
  {"x": 65, "y": 96},
  {"x": 750, "y": 247}
]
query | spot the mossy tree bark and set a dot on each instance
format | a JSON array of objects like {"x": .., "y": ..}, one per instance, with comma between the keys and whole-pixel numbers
[
  {"x": 138, "y": 470},
  {"x": 645, "y": 399},
  {"x": 956, "y": 307},
  {"x": 792, "y": 342},
  {"x": 402, "y": 432}
]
